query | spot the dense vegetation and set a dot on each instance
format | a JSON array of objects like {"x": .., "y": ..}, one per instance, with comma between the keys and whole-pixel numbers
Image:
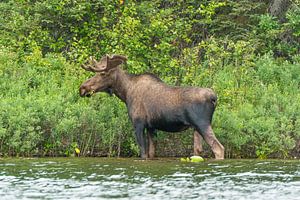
[{"x": 247, "y": 51}]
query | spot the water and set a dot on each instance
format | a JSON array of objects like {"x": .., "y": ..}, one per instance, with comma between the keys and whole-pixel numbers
[{"x": 103, "y": 178}]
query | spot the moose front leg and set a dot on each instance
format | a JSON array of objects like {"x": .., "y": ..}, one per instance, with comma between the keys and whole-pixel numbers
[{"x": 141, "y": 139}]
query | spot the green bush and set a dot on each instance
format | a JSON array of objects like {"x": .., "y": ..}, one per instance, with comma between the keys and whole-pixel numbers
[
  {"x": 42, "y": 113},
  {"x": 264, "y": 113}
]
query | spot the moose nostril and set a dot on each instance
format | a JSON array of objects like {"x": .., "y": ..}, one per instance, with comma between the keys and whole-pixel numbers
[{"x": 82, "y": 91}]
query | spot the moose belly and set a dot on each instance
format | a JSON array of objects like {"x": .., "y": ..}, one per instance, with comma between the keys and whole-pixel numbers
[{"x": 169, "y": 126}]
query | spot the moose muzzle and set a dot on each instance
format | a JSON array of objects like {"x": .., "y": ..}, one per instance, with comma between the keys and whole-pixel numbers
[{"x": 84, "y": 92}]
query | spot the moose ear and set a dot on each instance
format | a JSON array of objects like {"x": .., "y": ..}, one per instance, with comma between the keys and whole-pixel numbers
[{"x": 116, "y": 60}]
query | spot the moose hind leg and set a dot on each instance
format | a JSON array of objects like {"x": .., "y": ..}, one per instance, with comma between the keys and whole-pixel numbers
[
  {"x": 210, "y": 138},
  {"x": 151, "y": 147},
  {"x": 197, "y": 143}
]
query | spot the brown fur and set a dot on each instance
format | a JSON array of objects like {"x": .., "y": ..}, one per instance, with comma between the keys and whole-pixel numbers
[{"x": 152, "y": 104}]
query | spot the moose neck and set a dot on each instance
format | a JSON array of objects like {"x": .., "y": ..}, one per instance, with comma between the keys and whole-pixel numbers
[{"x": 121, "y": 84}]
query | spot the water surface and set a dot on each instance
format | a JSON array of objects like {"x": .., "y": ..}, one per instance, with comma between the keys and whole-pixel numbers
[{"x": 104, "y": 178}]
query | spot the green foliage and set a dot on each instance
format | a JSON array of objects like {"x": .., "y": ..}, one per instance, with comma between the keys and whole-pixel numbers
[
  {"x": 293, "y": 22},
  {"x": 41, "y": 112},
  {"x": 264, "y": 112},
  {"x": 247, "y": 56}
]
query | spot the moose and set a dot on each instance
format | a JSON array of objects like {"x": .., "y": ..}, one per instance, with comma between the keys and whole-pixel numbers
[{"x": 153, "y": 105}]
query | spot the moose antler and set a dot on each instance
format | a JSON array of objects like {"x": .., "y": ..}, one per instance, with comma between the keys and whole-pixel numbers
[
  {"x": 116, "y": 60},
  {"x": 90, "y": 65},
  {"x": 119, "y": 57},
  {"x": 105, "y": 63}
]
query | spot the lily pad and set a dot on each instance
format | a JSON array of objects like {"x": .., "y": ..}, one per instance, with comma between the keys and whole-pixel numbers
[
  {"x": 197, "y": 159},
  {"x": 192, "y": 159}
]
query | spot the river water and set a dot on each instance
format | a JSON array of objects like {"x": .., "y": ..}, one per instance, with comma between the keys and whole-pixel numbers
[{"x": 105, "y": 178}]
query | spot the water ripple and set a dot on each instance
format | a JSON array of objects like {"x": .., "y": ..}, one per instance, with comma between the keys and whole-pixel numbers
[{"x": 161, "y": 179}]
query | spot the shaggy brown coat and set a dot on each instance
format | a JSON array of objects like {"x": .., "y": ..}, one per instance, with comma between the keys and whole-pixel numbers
[{"x": 154, "y": 105}]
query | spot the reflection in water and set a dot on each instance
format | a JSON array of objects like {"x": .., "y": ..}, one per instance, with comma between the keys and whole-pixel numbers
[{"x": 101, "y": 178}]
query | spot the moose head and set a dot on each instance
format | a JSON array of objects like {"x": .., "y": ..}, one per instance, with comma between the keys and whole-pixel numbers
[{"x": 103, "y": 80}]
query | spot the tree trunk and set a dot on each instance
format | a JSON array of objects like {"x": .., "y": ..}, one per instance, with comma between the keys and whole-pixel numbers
[{"x": 278, "y": 8}]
